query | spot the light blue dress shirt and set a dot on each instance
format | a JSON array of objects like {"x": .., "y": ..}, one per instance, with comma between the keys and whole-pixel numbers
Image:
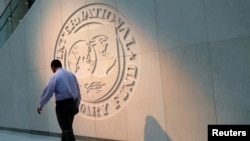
[{"x": 63, "y": 84}]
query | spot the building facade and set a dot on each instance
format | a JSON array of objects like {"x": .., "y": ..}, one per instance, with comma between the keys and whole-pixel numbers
[{"x": 149, "y": 70}]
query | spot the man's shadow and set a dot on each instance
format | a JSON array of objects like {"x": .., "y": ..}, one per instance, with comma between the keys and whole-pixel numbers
[{"x": 153, "y": 131}]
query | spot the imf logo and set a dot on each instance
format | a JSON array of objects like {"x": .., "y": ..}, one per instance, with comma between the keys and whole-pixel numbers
[{"x": 97, "y": 44}]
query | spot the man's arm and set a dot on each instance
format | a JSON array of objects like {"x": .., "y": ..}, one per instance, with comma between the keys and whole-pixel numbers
[{"x": 47, "y": 93}]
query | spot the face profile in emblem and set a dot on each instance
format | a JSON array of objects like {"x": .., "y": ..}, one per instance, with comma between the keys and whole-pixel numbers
[
  {"x": 81, "y": 59},
  {"x": 105, "y": 59}
]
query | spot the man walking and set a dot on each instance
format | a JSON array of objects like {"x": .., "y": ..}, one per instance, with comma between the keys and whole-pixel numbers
[{"x": 67, "y": 94}]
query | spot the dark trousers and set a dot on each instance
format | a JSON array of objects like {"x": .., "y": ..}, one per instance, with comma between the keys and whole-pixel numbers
[{"x": 65, "y": 112}]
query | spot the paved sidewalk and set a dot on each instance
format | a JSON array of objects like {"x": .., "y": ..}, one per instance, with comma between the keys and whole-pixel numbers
[
  {"x": 18, "y": 136},
  {"x": 6, "y": 135}
]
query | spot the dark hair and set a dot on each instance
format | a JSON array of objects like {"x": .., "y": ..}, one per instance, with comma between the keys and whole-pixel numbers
[{"x": 56, "y": 63}]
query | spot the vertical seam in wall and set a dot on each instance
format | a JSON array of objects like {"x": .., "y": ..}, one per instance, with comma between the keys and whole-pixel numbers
[
  {"x": 159, "y": 57},
  {"x": 25, "y": 72},
  {"x": 38, "y": 3},
  {"x": 125, "y": 108},
  {"x": 42, "y": 39},
  {"x": 86, "y": 2},
  {"x": 210, "y": 60}
]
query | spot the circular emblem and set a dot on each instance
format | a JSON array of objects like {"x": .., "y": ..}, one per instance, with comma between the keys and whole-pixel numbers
[{"x": 97, "y": 44}]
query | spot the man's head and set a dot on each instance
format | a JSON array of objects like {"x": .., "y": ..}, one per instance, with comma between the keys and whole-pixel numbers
[{"x": 55, "y": 64}]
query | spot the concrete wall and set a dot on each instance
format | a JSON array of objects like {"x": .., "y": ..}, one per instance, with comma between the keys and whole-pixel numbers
[{"x": 191, "y": 61}]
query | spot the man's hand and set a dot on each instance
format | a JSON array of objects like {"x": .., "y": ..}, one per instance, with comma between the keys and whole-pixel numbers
[{"x": 39, "y": 110}]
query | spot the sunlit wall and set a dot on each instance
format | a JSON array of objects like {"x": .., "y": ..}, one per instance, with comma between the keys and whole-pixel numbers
[{"x": 177, "y": 67}]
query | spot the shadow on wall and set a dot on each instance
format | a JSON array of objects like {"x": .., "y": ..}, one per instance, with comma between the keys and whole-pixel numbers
[{"x": 153, "y": 131}]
